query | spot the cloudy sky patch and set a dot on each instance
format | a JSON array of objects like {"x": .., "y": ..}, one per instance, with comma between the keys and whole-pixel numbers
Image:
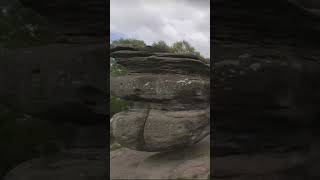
[{"x": 168, "y": 20}]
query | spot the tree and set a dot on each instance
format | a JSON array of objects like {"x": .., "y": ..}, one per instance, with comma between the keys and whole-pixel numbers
[
  {"x": 131, "y": 42},
  {"x": 183, "y": 47},
  {"x": 160, "y": 46},
  {"x": 179, "y": 47}
]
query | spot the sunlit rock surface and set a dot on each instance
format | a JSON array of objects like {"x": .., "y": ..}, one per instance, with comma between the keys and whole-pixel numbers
[{"x": 173, "y": 92}]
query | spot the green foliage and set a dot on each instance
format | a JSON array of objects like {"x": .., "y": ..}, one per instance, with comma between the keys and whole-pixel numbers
[
  {"x": 117, "y": 105},
  {"x": 131, "y": 42},
  {"x": 160, "y": 46},
  {"x": 116, "y": 69},
  {"x": 183, "y": 47},
  {"x": 179, "y": 47},
  {"x": 21, "y": 27}
]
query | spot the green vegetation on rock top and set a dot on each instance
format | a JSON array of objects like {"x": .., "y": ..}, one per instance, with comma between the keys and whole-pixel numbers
[
  {"x": 179, "y": 47},
  {"x": 116, "y": 69}
]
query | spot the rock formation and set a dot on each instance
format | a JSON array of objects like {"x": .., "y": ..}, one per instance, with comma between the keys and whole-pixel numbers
[
  {"x": 74, "y": 17},
  {"x": 191, "y": 162},
  {"x": 55, "y": 81},
  {"x": 60, "y": 80},
  {"x": 266, "y": 92},
  {"x": 170, "y": 94}
]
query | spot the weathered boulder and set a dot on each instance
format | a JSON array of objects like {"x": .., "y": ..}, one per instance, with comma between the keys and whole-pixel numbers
[
  {"x": 155, "y": 130},
  {"x": 170, "y": 95},
  {"x": 164, "y": 88}
]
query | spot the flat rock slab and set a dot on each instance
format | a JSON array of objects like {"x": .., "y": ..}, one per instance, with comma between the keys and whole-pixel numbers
[
  {"x": 161, "y": 88},
  {"x": 159, "y": 63},
  {"x": 188, "y": 163}
]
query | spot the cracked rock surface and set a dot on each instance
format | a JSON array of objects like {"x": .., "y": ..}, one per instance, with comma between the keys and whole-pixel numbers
[
  {"x": 173, "y": 93},
  {"x": 165, "y": 132}
]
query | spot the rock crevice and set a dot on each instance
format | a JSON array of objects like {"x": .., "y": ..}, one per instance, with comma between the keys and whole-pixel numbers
[{"x": 174, "y": 93}]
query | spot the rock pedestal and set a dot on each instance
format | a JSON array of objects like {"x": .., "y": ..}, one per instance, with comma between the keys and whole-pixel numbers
[{"x": 170, "y": 94}]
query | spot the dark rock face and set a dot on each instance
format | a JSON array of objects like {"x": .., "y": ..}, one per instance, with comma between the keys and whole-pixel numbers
[
  {"x": 74, "y": 17},
  {"x": 266, "y": 93},
  {"x": 310, "y": 6},
  {"x": 171, "y": 96},
  {"x": 57, "y": 81},
  {"x": 82, "y": 164}
]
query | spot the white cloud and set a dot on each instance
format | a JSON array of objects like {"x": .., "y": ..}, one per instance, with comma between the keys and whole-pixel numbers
[{"x": 168, "y": 20}]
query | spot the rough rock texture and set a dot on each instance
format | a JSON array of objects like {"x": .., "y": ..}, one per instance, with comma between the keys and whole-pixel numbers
[
  {"x": 148, "y": 62},
  {"x": 171, "y": 96},
  {"x": 62, "y": 81},
  {"x": 188, "y": 163},
  {"x": 76, "y": 164},
  {"x": 168, "y": 89},
  {"x": 55, "y": 80},
  {"x": 156, "y": 130},
  {"x": 266, "y": 92},
  {"x": 73, "y": 17}
]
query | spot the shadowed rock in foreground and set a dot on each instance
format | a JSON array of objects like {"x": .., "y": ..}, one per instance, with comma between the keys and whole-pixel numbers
[
  {"x": 80, "y": 164},
  {"x": 266, "y": 91},
  {"x": 56, "y": 81}
]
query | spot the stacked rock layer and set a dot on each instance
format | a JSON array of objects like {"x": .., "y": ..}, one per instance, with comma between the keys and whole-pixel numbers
[
  {"x": 266, "y": 91},
  {"x": 170, "y": 97}
]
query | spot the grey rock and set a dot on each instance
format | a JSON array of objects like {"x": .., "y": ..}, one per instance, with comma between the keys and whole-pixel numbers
[
  {"x": 188, "y": 163},
  {"x": 143, "y": 61},
  {"x": 155, "y": 130},
  {"x": 170, "y": 100},
  {"x": 55, "y": 80},
  {"x": 161, "y": 88}
]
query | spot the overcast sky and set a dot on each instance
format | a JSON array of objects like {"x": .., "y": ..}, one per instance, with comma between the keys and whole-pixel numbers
[{"x": 168, "y": 20}]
